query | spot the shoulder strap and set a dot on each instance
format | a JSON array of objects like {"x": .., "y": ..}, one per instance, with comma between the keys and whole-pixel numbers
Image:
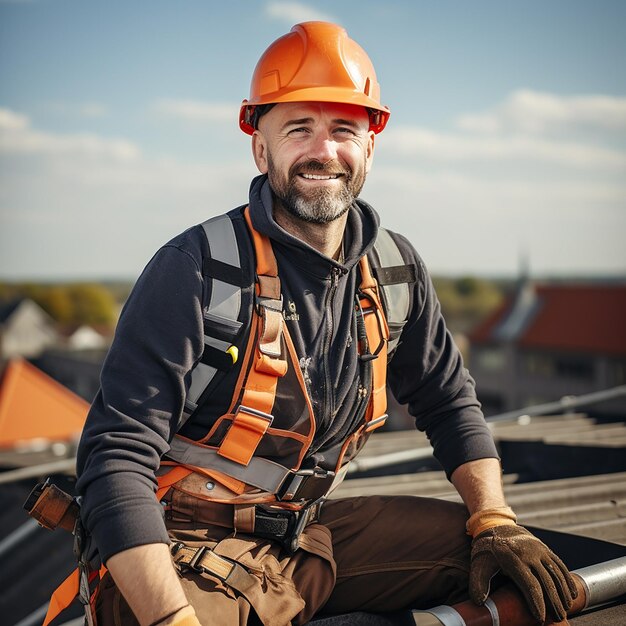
[
  {"x": 394, "y": 276},
  {"x": 225, "y": 279}
]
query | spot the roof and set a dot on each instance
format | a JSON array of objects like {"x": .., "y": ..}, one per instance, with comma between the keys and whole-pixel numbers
[
  {"x": 580, "y": 318},
  {"x": 581, "y": 518},
  {"x": 34, "y": 406},
  {"x": 7, "y": 309}
]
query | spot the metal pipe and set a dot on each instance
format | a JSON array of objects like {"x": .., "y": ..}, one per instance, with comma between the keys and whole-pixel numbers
[
  {"x": 596, "y": 584},
  {"x": 416, "y": 454},
  {"x": 566, "y": 402},
  {"x": 393, "y": 458},
  {"x": 604, "y": 581},
  {"x": 64, "y": 466},
  {"x": 35, "y": 618},
  {"x": 29, "y": 527}
]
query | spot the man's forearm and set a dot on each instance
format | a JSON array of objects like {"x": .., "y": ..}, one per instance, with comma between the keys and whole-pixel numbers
[
  {"x": 479, "y": 483},
  {"x": 149, "y": 583}
]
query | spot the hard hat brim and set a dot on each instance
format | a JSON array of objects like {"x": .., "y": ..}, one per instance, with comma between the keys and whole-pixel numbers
[{"x": 336, "y": 95}]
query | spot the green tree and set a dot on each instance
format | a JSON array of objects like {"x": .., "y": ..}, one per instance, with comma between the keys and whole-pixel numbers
[
  {"x": 56, "y": 301},
  {"x": 92, "y": 304}
]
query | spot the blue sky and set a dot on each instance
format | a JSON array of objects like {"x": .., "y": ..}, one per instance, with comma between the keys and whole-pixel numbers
[{"x": 507, "y": 136}]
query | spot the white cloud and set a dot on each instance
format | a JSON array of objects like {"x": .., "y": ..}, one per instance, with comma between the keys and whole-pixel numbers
[
  {"x": 450, "y": 148},
  {"x": 296, "y": 12},
  {"x": 62, "y": 214},
  {"x": 479, "y": 224},
  {"x": 197, "y": 111},
  {"x": 534, "y": 112},
  {"x": 18, "y": 137},
  {"x": 11, "y": 121},
  {"x": 89, "y": 110},
  {"x": 92, "y": 109}
]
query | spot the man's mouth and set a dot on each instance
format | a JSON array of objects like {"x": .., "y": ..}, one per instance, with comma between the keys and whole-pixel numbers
[{"x": 320, "y": 176}]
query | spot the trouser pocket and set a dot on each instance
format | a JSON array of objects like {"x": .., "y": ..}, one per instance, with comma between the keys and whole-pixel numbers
[{"x": 237, "y": 568}]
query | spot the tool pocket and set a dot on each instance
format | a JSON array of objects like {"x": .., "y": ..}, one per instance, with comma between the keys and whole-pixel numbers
[{"x": 238, "y": 567}]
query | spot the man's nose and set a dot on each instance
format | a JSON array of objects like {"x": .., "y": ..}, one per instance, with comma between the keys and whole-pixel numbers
[{"x": 323, "y": 148}]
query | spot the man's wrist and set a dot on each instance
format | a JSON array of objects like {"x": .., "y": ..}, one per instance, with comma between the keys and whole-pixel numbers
[
  {"x": 489, "y": 518},
  {"x": 184, "y": 616}
]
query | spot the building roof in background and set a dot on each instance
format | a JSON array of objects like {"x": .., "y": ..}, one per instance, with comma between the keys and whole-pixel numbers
[
  {"x": 34, "y": 406},
  {"x": 7, "y": 309},
  {"x": 581, "y": 318}
]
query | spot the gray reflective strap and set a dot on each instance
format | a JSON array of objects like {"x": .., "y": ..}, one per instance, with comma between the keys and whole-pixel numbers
[
  {"x": 203, "y": 374},
  {"x": 225, "y": 298},
  {"x": 261, "y": 473},
  {"x": 396, "y": 297},
  {"x": 225, "y": 303}
]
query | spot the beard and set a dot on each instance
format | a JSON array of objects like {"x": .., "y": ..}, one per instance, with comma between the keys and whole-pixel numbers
[{"x": 317, "y": 205}]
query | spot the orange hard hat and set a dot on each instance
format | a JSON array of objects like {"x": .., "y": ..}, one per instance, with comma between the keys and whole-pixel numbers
[{"x": 314, "y": 62}]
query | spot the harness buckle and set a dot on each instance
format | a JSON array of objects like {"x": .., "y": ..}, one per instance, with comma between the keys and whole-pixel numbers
[
  {"x": 196, "y": 558},
  {"x": 255, "y": 413},
  {"x": 307, "y": 484},
  {"x": 285, "y": 526}
]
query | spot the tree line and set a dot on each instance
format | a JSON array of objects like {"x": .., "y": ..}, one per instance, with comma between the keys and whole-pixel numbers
[
  {"x": 68, "y": 303},
  {"x": 464, "y": 301}
]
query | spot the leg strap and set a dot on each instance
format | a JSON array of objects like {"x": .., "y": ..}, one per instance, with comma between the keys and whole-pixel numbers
[{"x": 203, "y": 559}]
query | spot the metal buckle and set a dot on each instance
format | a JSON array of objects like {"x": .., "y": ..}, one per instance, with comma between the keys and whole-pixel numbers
[
  {"x": 305, "y": 517},
  {"x": 308, "y": 484},
  {"x": 273, "y": 304},
  {"x": 246, "y": 409},
  {"x": 196, "y": 558}
]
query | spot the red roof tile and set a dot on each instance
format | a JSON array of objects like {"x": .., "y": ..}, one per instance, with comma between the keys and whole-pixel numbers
[
  {"x": 582, "y": 318},
  {"x": 33, "y": 405}
]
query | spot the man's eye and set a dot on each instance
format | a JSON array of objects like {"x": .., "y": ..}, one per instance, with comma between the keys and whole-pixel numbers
[
  {"x": 344, "y": 131},
  {"x": 300, "y": 129}
]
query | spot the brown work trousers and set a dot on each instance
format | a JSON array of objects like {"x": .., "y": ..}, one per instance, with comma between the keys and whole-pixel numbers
[{"x": 375, "y": 553}]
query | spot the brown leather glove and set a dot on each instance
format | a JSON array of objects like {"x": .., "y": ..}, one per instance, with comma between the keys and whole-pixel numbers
[{"x": 539, "y": 574}]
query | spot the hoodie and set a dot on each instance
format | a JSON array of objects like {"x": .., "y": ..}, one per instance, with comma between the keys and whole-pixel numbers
[{"x": 159, "y": 338}]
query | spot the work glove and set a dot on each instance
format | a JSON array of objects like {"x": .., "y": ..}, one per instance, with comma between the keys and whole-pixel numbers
[{"x": 538, "y": 573}]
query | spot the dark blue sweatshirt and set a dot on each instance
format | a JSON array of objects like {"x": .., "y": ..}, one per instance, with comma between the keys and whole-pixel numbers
[{"x": 159, "y": 338}]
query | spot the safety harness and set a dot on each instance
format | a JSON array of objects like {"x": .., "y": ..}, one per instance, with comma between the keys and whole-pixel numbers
[{"x": 267, "y": 488}]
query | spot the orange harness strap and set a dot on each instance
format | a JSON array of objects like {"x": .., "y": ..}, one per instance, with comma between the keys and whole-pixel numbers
[
  {"x": 165, "y": 481},
  {"x": 68, "y": 590},
  {"x": 62, "y": 597},
  {"x": 377, "y": 332},
  {"x": 254, "y": 415}
]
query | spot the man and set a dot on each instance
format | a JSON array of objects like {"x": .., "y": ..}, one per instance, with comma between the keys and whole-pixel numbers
[{"x": 255, "y": 347}]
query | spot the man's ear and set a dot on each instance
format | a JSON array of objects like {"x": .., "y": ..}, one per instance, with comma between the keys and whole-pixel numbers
[
  {"x": 369, "y": 150},
  {"x": 259, "y": 151}
]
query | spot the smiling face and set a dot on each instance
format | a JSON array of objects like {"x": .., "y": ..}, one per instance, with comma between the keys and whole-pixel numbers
[{"x": 316, "y": 156}]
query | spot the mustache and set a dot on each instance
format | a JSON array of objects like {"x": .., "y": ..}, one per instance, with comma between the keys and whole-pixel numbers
[{"x": 333, "y": 167}]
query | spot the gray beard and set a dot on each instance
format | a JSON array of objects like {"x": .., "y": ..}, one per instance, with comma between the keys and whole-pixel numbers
[
  {"x": 324, "y": 207},
  {"x": 318, "y": 206}
]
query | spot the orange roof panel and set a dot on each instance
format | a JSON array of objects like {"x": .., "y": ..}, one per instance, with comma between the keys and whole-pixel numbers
[{"x": 34, "y": 406}]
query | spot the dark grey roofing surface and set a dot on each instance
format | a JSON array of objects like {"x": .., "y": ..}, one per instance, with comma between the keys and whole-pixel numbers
[{"x": 581, "y": 514}]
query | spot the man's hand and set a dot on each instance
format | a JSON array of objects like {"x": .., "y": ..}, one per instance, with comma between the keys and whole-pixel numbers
[
  {"x": 539, "y": 574},
  {"x": 499, "y": 544}
]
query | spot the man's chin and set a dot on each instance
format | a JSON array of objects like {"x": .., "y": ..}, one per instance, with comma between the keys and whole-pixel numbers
[{"x": 314, "y": 213}]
